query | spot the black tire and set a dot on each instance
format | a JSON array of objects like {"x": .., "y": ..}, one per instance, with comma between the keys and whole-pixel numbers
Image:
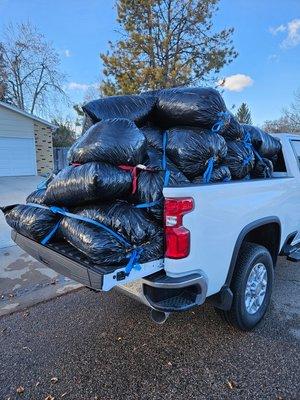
[{"x": 238, "y": 316}]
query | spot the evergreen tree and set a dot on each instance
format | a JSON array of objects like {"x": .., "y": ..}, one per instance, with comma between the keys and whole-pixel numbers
[
  {"x": 165, "y": 43},
  {"x": 65, "y": 135},
  {"x": 243, "y": 114}
]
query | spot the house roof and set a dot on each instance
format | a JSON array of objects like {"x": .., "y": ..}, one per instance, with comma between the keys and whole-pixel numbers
[{"x": 28, "y": 115}]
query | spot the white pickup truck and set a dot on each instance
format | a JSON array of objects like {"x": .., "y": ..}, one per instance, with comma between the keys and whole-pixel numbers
[{"x": 222, "y": 243}]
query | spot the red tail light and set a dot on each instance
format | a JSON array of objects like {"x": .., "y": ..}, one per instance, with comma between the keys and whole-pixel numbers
[{"x": 176, "y": 235}]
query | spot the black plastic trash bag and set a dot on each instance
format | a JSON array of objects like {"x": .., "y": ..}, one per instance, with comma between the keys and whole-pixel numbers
[
  {"x": 219, "y": 174},
  {"x": 154, "y": 137},
  {"x": 132, "y": 224},
  {"x": 267, "y": 146},
  {"x": 37, "y": 197},
  {"x": 240, "y": 159},
  {"x": 189, "y": 106},
  {"x": 134, "y": 108},
  {"x": 76, "y": 185},
  {"x": 32, "y": 222},
  {"x": 151, "y": 183},
  {"x": 263, "y": 168},
  {"x": 87, "y": 123},
  {"x": 234, "y": 130},
  {"x": 117, "y": 141},
  {"x": 190, "y": 148},
  {"x": 94, "y": 242}
]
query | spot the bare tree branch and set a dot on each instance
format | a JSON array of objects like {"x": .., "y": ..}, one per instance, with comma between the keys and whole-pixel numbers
[{"x": 31, "y": 72}]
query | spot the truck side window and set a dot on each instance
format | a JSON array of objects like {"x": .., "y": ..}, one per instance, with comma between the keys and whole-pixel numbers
[{"x": 296, "y": 147}]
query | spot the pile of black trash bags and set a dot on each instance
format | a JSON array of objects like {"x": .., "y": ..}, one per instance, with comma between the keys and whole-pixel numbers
[{"x": 108, "y": 203}]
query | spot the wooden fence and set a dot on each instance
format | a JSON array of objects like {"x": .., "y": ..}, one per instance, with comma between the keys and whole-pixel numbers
[{"x": 60, "y": 158}]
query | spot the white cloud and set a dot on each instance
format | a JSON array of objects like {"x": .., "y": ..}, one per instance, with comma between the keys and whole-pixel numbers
[
  {"x": 67, "y": 53},
  {"x": 292, "y": 29},
  {"x": 277, "y": 29},
  {"x": 81, "y": 86},
  {"x": 273, "y": 57},
  {"x": 293, "y": 37},
  {"x": 78, "y": 86},
  {"x": 236, "y": 83}
]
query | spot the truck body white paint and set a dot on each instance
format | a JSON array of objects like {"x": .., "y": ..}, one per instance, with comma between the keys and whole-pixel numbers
[{"x": 223, "y": 210}]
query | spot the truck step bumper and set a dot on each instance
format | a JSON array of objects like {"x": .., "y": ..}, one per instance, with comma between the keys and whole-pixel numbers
[
  {"x": 292, "y": 251},
  {"x": 168, "y": 294},
  {"x": 294, "y": 255}
]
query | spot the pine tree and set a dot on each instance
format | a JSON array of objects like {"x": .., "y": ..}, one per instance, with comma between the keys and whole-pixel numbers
[
  {"x": 165, "y": 43},
  {"x": 243, "y": 114}
]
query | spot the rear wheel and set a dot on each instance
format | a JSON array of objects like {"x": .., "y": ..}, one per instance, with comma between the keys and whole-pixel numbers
[{"x": 251, "y": 285}]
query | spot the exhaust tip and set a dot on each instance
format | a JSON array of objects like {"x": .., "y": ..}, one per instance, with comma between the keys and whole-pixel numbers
[{"x": 159, "y": 317}]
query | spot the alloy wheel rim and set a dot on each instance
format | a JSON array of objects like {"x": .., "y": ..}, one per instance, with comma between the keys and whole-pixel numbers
[{"x": 256, "y": 288}]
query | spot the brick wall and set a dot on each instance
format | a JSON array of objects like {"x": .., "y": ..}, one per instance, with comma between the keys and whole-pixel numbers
[{"x": 44, "y": 148}]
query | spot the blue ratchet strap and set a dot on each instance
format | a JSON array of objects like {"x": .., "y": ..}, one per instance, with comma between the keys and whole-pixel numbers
[
  {"x": 224, "y": 119},
  {"x": 247, "y": 138},
  {"x": 164, "y": 159},
  {"x": 167, "y": 177},
  {"x": 51, "y": 233},
  {"x": 248, "y": 145},
  {"x": 37, "y": 206},
  {"x": 42, "y": 185},
  {"x": 149, "y": 204},
  {"x": 61, "y": 211},
  {"x": 247, "y": 141},
  {"x": 53, "y": 230},
  {"x": 257, "y": 155},
  {"x": 247, "y": 160},
  {"x": 134, "y": 261},
  {"x": 208, "y": 172},
  {"x": 135, "y": 254}
]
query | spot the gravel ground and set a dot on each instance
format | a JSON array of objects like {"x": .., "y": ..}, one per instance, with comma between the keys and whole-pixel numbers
[{"x": 104, "y": 346}]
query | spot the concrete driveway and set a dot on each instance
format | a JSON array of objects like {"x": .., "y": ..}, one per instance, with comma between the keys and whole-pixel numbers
[
  {"x": 23, "y": 280},
  {"x": 14, "y": 190}
]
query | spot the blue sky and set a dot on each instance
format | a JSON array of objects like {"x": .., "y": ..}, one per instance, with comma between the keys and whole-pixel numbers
[{"x": 267, "y": 37}]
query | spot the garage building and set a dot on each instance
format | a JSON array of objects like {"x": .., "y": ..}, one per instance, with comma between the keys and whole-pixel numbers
[{"x": 25, "y": 143}]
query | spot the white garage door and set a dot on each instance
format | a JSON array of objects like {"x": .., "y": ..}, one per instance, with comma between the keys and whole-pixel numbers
[{"x": 17, "y": 156}]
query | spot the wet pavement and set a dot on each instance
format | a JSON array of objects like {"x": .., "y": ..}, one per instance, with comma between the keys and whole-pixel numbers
[
  {"x": 24, "y": 281},
  {"x": 104, "y": 346}
]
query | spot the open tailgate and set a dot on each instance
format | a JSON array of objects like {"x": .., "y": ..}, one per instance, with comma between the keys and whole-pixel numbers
[{"x": 67, "y": 261}]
